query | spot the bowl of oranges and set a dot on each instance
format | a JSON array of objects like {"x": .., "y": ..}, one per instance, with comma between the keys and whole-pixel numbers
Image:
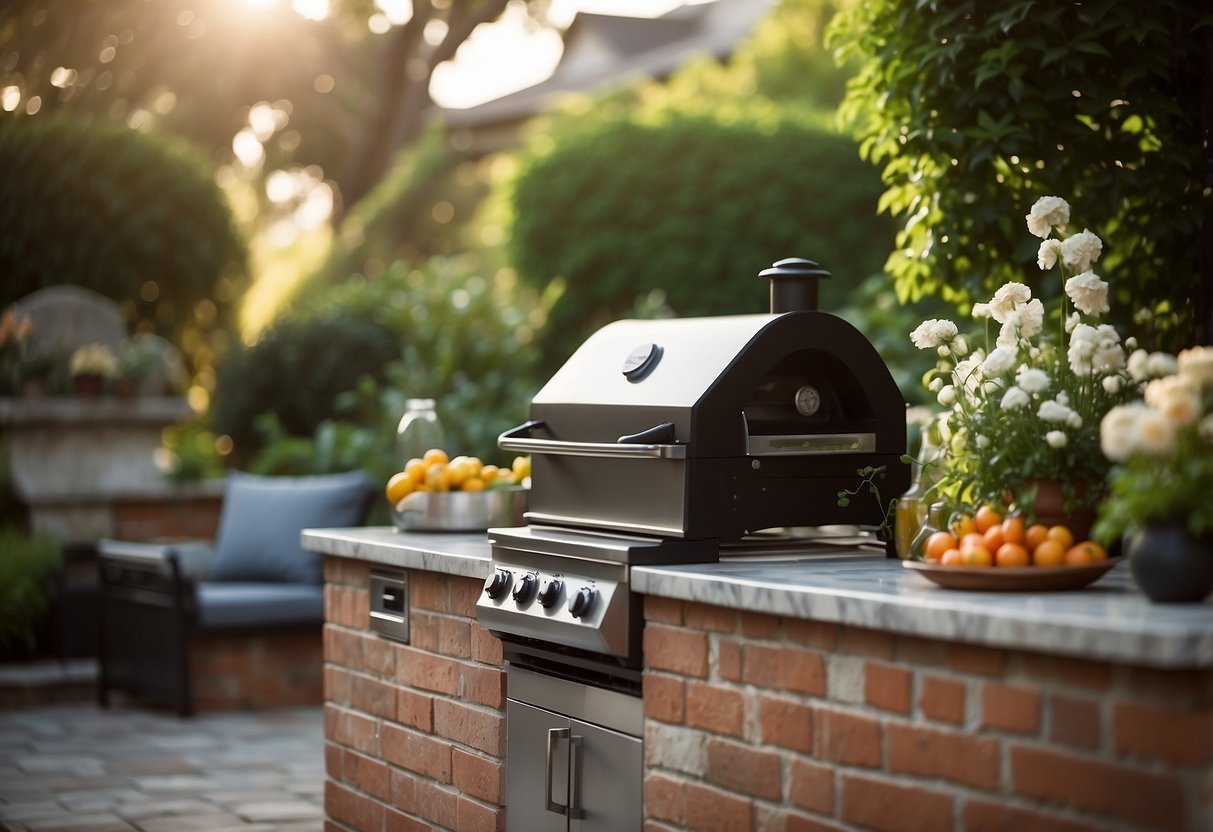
[
  {"x": 440, "y": 493},
  {"x": 985, "y": 550}
]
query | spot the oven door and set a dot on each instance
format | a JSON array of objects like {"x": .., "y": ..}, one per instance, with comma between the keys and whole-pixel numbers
[{"x": 564, "y": 772}]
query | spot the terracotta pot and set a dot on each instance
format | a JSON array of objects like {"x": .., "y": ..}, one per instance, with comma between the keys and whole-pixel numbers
[
  {"x": 89, "y": 386},
  {"x": 1168, "y": 564},
  {"x": 1050, "y": 509}
]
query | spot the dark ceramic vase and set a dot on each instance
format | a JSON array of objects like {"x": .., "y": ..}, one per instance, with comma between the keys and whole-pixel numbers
[{"x": 1168, "y": 564}]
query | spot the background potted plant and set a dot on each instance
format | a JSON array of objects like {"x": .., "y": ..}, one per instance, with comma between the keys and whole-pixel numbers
[
  {"x": 1160, "y": 487},
  {"x": 1023, "y": 400},
  {"x": 91, "y": 366},
  {"x": 134, "y": 360}
]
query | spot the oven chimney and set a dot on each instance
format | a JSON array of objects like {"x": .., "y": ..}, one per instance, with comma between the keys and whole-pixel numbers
[{"x": 794, "y": 284}]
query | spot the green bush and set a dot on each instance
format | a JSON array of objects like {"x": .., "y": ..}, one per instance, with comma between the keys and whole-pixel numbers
[
  {"x": 461, "y": 338},
  {"x": 974, "y": 114},
  {"x": 690, "y": 207},
  {"x": 296, "y": 371},
  {"x": 133, "y": 216},
  {"x": 27, "y": 562}
]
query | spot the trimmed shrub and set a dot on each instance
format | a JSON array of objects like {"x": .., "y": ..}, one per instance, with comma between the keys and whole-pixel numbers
[
  {"x": 133, "y": 216},
  {"x": 296, "y": 372},
  {"x": 691, "y": 208}
]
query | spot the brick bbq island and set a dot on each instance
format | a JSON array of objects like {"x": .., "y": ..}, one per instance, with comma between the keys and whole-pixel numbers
[{"x": 825, "y": 693}]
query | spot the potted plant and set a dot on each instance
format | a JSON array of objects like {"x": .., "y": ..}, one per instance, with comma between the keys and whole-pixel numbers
[
  {"x": 1161, "y": 484},
  {"x": 135, "y": 359},
  {"x": 1023, "y": 401},
  {"x": 91, "y": 366}
]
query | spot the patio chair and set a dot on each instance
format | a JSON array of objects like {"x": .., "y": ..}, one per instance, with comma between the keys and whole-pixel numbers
[{"x": 161, "y": 602}]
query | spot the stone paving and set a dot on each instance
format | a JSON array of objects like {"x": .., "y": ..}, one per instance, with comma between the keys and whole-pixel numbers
[{"x": 80, "y": 767}]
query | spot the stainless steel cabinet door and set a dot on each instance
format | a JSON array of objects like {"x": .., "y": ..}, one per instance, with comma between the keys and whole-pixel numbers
[
  {"x": 536, "y": 768},
  {"x": 607, "y": 777}
]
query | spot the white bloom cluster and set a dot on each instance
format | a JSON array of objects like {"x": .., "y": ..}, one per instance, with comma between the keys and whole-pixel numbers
[
  {"x": 1089, "y": 293},
  {"x": 1059, "y": 412},
  {"x": 1144, "y": 365},
  {"x": 1095, "y": 349},
  {"x": 1172, "y": 403},
  {"x": 1081, "y": 251},
  {"x": 933, "y": 333},
  {"x": 1047, "y": 213}
]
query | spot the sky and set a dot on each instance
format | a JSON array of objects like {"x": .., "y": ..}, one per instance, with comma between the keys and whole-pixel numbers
[{"x": 506, "y": 56}]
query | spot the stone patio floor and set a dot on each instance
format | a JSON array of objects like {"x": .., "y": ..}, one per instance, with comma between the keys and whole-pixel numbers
[{"x": 78, "y": 766}]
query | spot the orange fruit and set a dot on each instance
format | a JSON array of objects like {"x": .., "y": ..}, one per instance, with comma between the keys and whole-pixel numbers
[
  {"x": 1097, "y": 552},
  {"x": 1011, "y": 554},
  {"x": 1077, "y": 555},
  {"x": 978, "y": 555},
  {"x": 435, "y": 456},
  {"x": 938, "y": 543},
  {"x": 1034, "y": 535},
  {"x": 964, "y": 524},
  {"x": 970, "y": 540},
  {"x": 952, "y": 557},
  {"x": 398, "y": 487},
  {"x": 993, "y": 538},
  {"x": 986, "y": 517},
  {"x": 1013, "y": 530},
  {"x": 1049, "y": 553},
  {"x": 415, "y": 468},
  {"x": 1062, "y": 535}
]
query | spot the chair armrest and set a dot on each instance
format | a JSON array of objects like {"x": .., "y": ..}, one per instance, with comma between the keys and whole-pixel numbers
[{"x": 193, "y": 557}]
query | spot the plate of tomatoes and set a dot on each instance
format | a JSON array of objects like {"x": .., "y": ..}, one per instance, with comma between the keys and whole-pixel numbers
[{"x": 986, "y": 551}]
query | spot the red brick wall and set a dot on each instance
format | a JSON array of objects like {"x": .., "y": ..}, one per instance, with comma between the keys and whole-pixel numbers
[
  {"x": 267, "y": 670},
  {"x": 195, "y": 518},
  {"x": 415, "y": 733},
  {"x": 755, "y": 722}
]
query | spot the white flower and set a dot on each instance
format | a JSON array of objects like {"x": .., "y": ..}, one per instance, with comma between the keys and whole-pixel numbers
[
  {"x": 1109, "y": 356},
  {"x": 1015, "y": 398},
  {"x": 1055, "y": 411},
  {"x": 1112, "y": 384},
  {"x": 1081, "y": 250},
  {"x": 1047, "y": 213},
  {"x": 1131, "y": 343},
  {"x": 1032, "y": 380},
  {"x": 981, "y": 310},
  {"x": 1047, "y": 256},
  {"x": 960, "y": 346},
  {"x": 983, "y": 441},
  {"x": 1138, "y": 371},
  {"x": 1196, "y": 363},
  {"x": 1176, "y": 397},
  {"x": 1072, "y": 320},
  {"x": 1006, "y": 299},
  {"x": 947, "y": 396},
  {"x": 1161, "y": 364},
  {"x": 999, "y": 361},
  {"x": 1089, "y": 293},
  {"x": 936, "y": 384},
  {"x": 932, "y": 333},
  {"x": 1083, "y": 341},
  {"x": 1056, "y": 439},
  {"x": 1155, "y": 433},
  {"x": 1118, "y": 431}
]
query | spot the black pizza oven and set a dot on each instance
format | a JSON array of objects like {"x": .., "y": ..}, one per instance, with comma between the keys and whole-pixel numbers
[{"x": 718, "y": 427}]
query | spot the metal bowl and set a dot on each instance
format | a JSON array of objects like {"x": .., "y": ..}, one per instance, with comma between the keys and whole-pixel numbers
[{"x": 461, "y": 511}]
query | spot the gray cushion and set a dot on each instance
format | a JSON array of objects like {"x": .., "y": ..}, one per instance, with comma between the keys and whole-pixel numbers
[
  {"x": 262, "y": 517},
  {"x": 223, "y": 605}
]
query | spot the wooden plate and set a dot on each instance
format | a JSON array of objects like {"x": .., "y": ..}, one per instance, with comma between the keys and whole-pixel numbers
[{"x": 1012, "y": 578}]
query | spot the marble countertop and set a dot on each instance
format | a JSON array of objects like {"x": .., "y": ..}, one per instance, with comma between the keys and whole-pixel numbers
[{"x": 1110, "y": 619}]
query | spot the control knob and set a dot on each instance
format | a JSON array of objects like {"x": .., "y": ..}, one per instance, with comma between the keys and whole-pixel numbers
[
  {"x": 549, "y": 593},
  {"x": 581, "y": 603},
  {"x": 525, "y": 590},
  {"x": 497, "y": 584}
]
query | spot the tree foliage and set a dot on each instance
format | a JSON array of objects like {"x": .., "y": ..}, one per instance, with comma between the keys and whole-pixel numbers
[
  {"x": 684, "y": 210},
  {"x": 135, "y": 217},
  {"x": 975, "y": 112},
  {"x": 193, "y": 68}
]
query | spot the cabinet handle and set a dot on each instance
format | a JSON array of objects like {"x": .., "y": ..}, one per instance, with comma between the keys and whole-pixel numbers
[
  {"x": 554, "y": 734},
  {"x": 575, "y": 749}
]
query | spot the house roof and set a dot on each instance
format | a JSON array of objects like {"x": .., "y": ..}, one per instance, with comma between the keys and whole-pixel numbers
[{"x": 602, "y": 52}]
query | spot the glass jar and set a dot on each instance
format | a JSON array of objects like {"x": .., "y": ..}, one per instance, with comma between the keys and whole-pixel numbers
[
  {"x": 419, "y": 430},
  {"x": 911, "y": 512}
]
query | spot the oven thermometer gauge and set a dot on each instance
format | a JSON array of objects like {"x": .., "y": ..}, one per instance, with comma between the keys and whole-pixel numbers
[{"x": 808, "y": 400}]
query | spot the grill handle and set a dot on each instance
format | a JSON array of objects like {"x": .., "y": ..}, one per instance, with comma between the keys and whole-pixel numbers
[{"x": 514, "y": 440}]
